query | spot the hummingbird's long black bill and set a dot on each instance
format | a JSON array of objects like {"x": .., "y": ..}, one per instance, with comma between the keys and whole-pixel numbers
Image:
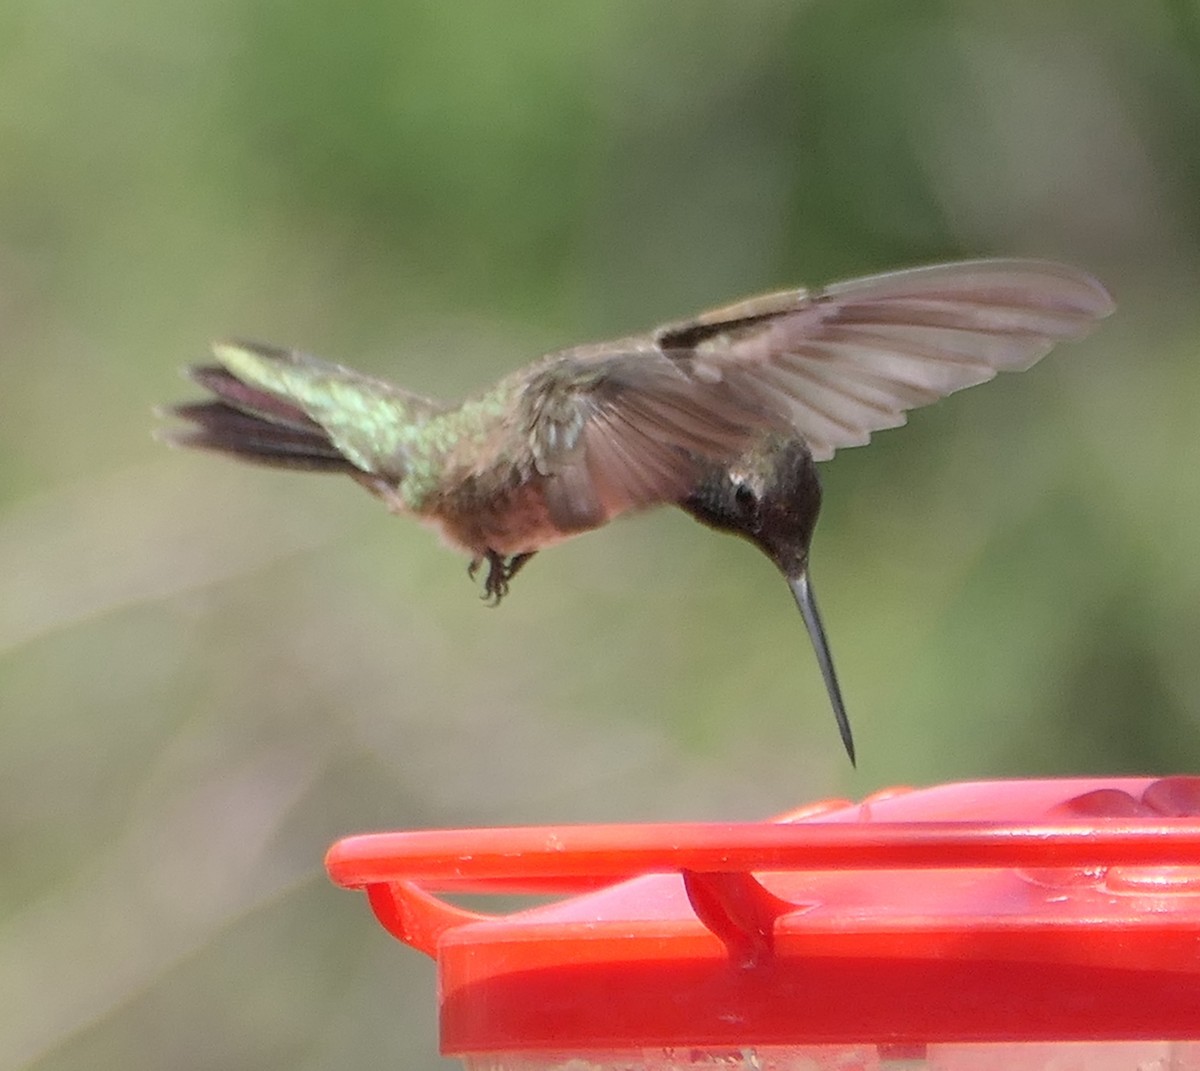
[{"x": 803, "y": 593}]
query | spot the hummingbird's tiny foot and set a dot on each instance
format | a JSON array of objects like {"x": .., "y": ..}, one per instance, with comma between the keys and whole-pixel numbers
[
  {"x": 500, "y": 572},
  {"x": 516, "y": 563},
  {"x": 473, "y": 568},
  {"x": 495, "y": 587}
]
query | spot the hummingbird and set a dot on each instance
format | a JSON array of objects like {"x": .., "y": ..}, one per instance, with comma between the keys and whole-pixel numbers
[{"x": 723, "y": 415}]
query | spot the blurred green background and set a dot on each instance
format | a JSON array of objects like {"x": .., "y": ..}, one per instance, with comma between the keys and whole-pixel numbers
[{"x": 208, "y": 673}]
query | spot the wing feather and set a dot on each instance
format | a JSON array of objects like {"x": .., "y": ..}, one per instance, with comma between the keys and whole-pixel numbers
[
  {"x": 829, "y": 366},
  {"x": 894, "y": 341}
]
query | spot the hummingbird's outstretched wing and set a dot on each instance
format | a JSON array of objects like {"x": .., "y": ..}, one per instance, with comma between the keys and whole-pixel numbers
[
  {"x": 848, "y": 359},
  {"x": 623, "y": 425}
]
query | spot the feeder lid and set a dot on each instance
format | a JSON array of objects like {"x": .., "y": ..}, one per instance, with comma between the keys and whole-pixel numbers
[{"x": 990, "y": 911}]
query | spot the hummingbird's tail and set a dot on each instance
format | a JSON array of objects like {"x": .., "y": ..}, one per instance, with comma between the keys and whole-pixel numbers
[
  {"x": 286, "y": 408},
  {"x": 252, "y": 425}
]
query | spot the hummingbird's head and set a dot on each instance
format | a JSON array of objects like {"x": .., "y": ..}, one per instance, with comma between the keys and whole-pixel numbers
[{"x": 771, "y": 496}]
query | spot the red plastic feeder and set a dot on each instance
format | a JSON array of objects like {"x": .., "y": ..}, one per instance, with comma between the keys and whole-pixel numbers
[{"x": 1031, "y": 924}]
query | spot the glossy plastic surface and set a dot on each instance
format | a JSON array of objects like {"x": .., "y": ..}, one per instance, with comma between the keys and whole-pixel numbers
[{"x": 995, "y": 911}]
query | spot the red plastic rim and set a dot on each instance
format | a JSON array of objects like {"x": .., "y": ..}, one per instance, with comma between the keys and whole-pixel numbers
[{"x": 1035, "y": 910}]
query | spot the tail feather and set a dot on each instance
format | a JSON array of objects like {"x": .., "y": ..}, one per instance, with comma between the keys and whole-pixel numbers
[
  {"x": 228, "y": 388},
  {"x": 253, "y": 425},
  {"x": 219, "y": 427}
]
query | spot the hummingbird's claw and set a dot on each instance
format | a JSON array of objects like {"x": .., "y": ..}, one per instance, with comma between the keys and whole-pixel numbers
[{"x": 500, "y": 571}]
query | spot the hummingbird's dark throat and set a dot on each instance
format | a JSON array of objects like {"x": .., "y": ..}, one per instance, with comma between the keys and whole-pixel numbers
[{"x": 500, "y": 571}]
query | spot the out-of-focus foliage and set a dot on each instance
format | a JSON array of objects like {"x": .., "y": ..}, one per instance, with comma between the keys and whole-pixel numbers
[{"x": 208, "y": 673}]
